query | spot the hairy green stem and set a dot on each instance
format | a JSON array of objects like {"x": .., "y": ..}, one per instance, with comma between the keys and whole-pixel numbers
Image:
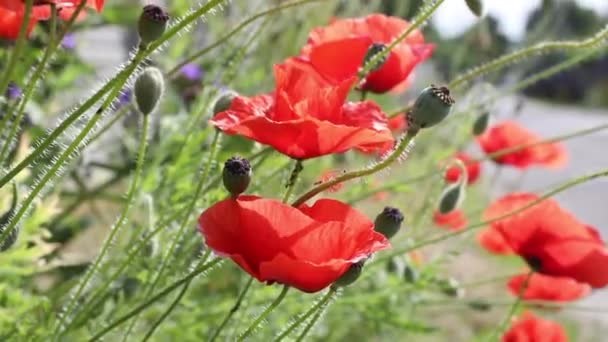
[
  {"x": 293, "y": 179},
  {"x": 130, "y": 196},
  {"x": 163, "y": 293},
  {"x": 316, "y": 307},
  {"x": 401, "y": 148},
  {"x": 256, "y": 322},
  {"x": 233, "y": 310}
]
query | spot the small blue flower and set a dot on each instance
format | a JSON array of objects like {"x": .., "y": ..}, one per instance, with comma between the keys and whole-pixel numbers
[
  {"x": 13, "y": 91},
  {"x": 69, "y": 42},
  {"x": 192, "y": 72}
]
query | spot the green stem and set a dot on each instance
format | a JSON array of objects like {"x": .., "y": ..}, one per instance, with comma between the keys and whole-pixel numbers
[
  {"x": 477, "y": 225},
  {"x": 174, "y": 303},
  {"x": 507, "y": 320},
  {"x": 119, "y": 321},
  {"x": 293, "y": 179},
  {"x": 403, "y": 144},
  {"x": 233, "y": 310},
  {"x": 186, "y": 217},
  {"x": 113, "y": 233},
  {"x": 241, "y": 26},
  {"x": 317, "y": 307},
  {"x": 19, "y": 46},
  {"x": 264, "y": 314},
  {"x": 117, "y": 116},
  {"x": 37, "y": 74}
]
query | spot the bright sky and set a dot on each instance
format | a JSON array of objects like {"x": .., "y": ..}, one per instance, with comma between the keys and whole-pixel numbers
[{"x": 453, "y": 17}]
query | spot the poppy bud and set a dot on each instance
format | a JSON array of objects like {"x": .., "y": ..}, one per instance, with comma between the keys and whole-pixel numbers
[
  {"x": 152, "y": 24},
  {"x": 224, "y": 102},
  {"x": 479, "y": 305},
  {"x": 431, "y": 107},
  {"x": 374, "y": 50},
  {"x": 148, "y": 89},
  {"x": 451, "y": 288},
  {"x": 410, "y": 274},
  {"x": 351, "y": 275},
  {"x": 481, "y": 124},
  {"x": 475, "y": 6},
  {"x": 451, "y": 198},
  {"x": 393, "y": 265},
  {"x": 388, "y": 222},
  {"x": 236, "y": 175},
  {"x": 11, "y": 238}
]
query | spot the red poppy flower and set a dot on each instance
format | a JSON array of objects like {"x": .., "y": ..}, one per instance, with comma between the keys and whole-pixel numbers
[
  {"x": 530, "y": 328},
  {"x": 307, "y": 247},
  {"x": 492, "y": 240},
  {"x": 12, "y": 13},
  {"x": 551, "y": 239},
  {"x": 338, "y": 50},
  {"x": 397, "y": 123},
  {"x": 452, "y": 174},
  {"x": 306, "y": 117},
  {"x": 510, "y": 134},
  {"x": 454, "y": 220},
  {"x": 543, "y": 287}
]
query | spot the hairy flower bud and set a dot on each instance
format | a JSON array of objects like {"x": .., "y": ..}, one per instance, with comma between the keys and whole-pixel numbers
[
  {"x": 152, "y": 24},
  {"x": 148, "y": 89},
  {"x": 350, "y": 276},
  {"x": 475, "y": 6},
  {"x": 451, "y": 198},
  {"x": 431, "y": 107},
  {"x": 481, "y": 124},
  {"x": 374, "y": 50},
  {"x": 236, "y": 175},
  {"x": 224, "y": 101},
  {"x": 388, "y": 222},
  {"x": 11, "y": 238}
]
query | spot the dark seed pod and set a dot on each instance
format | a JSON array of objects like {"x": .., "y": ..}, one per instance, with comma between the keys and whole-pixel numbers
[
  {"x": 236, "y": 175},
  {"x": 481, "y": 124},
  {"x": 388, "y": 222},
  {"x": 350, "y": 276},
  {"x": 451, "y": 198},
  {"x": 12, "y": 236},
  {"x": 431, "y": 107},
  {"x": 476, "y": 6},
  {"x": 149, "y": 88},
  {"x": 152, "y": 24}
]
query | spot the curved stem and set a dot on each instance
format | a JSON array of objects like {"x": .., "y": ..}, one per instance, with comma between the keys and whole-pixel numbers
[
  {"x": 241, "y": 26},
  {"x": 153, "y": 299},
  {"x": 401, "y": 148},
  {"x": 264, "y": 314},
  {"x": 233, "y": 310},
  {"x": 119, "y": 223},
  {"x": 9, "y": 68},
  {"x": 315, "y": 308},
  {"x": 505, "y": 322},
  {"x": 293, "y": 179},
  {"x": 477, "y": 225}
]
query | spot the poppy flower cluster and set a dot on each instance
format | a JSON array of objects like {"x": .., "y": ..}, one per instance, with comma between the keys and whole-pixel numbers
[
  {"x": 550, "y": 239},
  {"x": 12, "y": 13},
  {"x": 530, "y": 328},
  {"x": 308, "y": 115}
]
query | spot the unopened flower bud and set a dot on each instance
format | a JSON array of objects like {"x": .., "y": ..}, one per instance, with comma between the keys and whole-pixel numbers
[
  {"x": 451, "y": 198},
  {"x": 475, "y": 6},
  {"x": 12, "y": 236},
  {"x": 148, "y": 89},
  {"x": 236, "y": 175},
  {"x": 451, "y": 288},
  {"x": 393, "y": 265},
  {"x": 431, "y": 107},
  {"x": 224, "y": 102},
  {"x": 479, "y": 305},
  {"x": 350, "y": 276},
  {"x": 410, "y": 274},
  {"x": 388, "y": 222},
  {"x": 372, "y": 54},
  {"x": 152, "y": 24},
  {"x": 481, "y": 124}
]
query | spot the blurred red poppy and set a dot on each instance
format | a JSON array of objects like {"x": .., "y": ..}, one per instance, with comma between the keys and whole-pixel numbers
[
  {"x": 12, "y": 13},
  {"x": 452, "y": 174},
  {"x": 397, "y": 123},
  {"x": 550, "y": 239},
  {"x": 307, "y": 116},
  {"x": 543, "y": 287},
  {"x": 510, "y": 134},
  {"x": 338, "y": 50},
  {"x": 530, "y": 328},
  {"x": 307, "y": 247},
  {"x": 454, "y": 220}
]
